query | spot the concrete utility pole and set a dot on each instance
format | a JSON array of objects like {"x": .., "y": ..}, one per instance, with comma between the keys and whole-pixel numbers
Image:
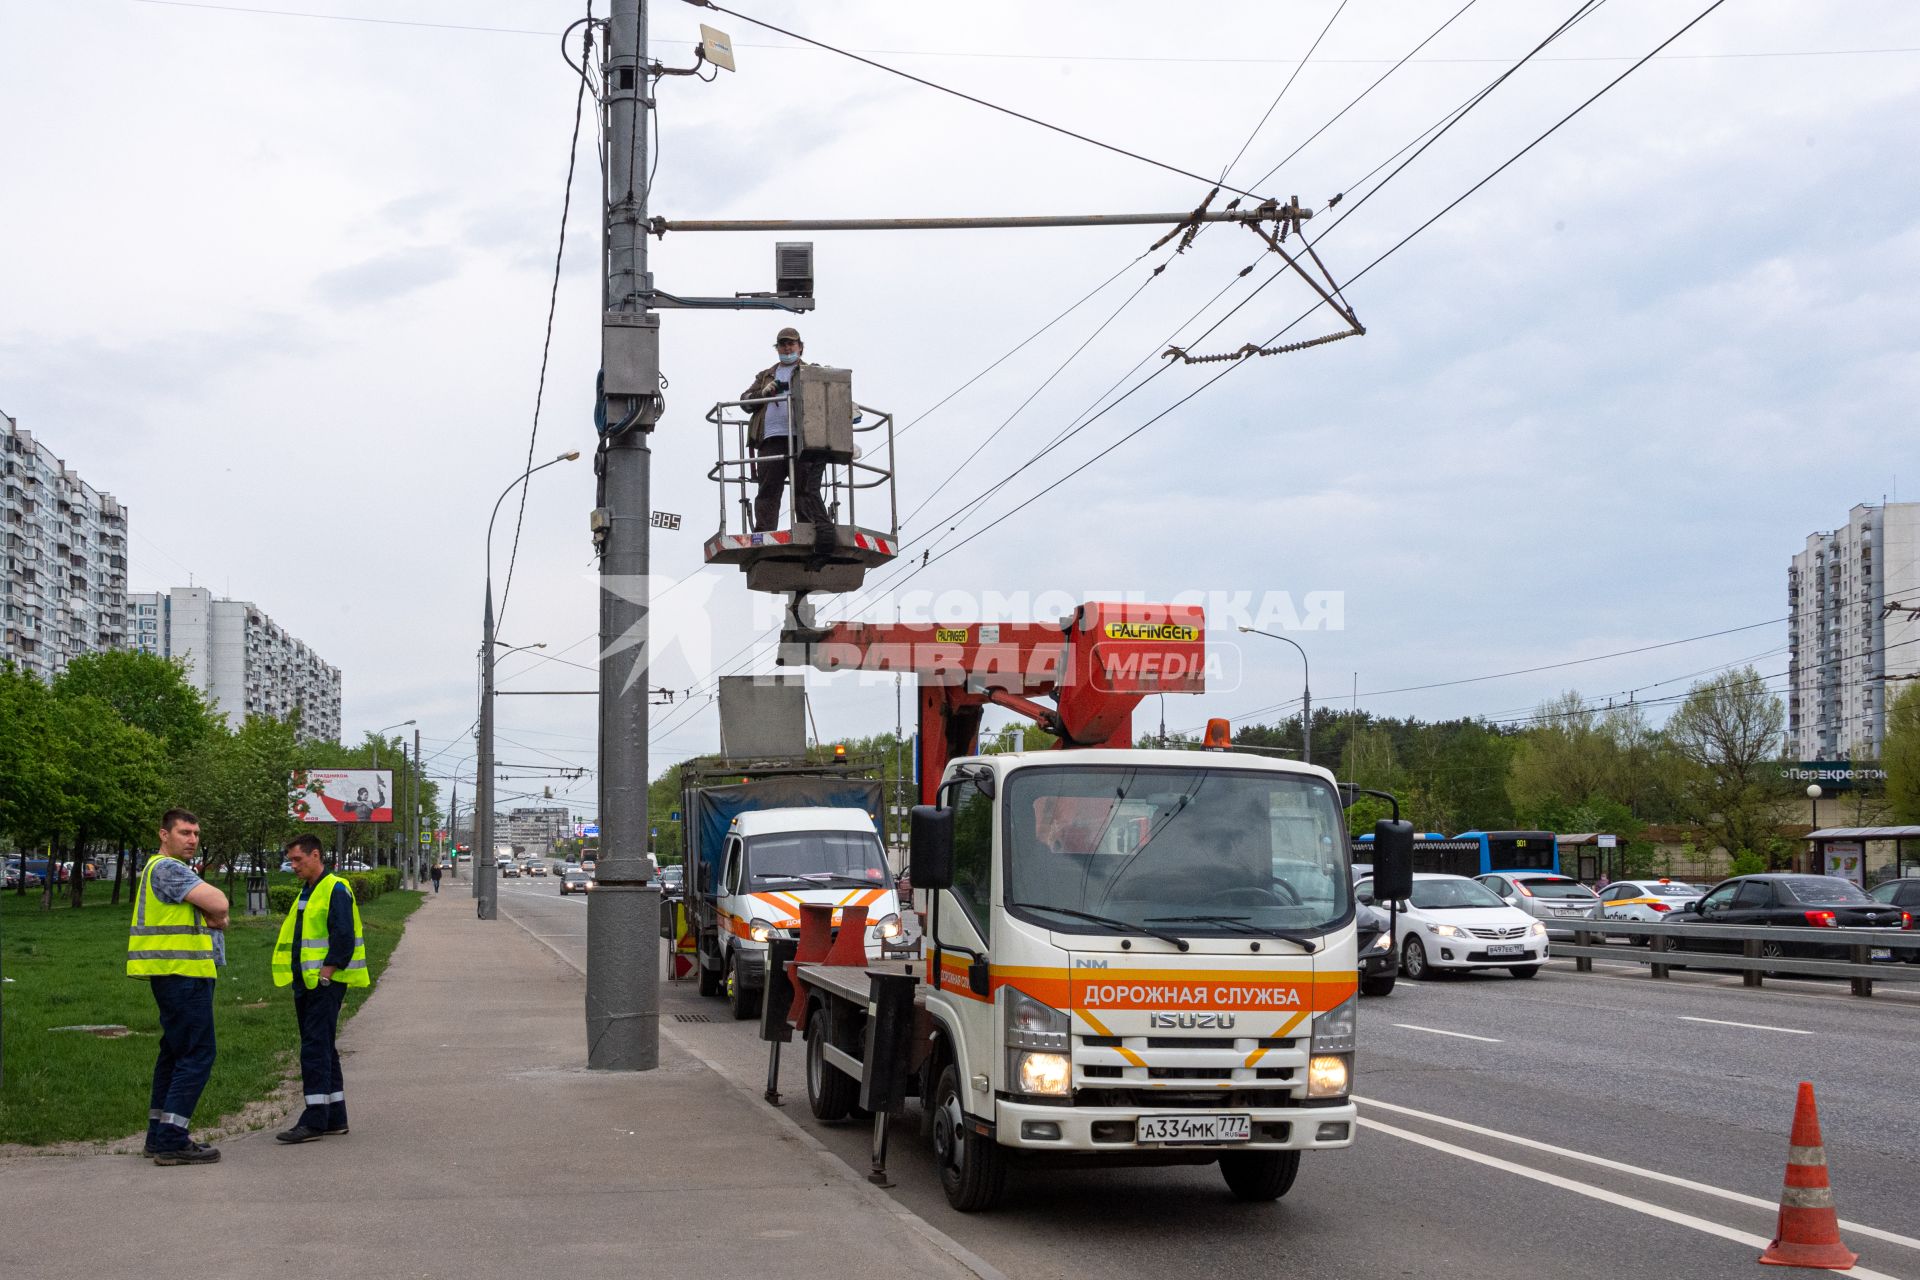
[
  {"x": 413, "y": 807},
  {"x": 485, "y": 887},
  {"x": 623, "y": 948}
]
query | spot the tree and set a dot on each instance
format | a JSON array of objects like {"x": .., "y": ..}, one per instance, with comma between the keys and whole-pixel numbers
[
  {"x": 1727, "y": 736},
  {"x": 144, "y": 690},
  {"x": 33, "y": 777},
  {"x": 115, "y": 781},
  {"x": 1900, "y": 755}
]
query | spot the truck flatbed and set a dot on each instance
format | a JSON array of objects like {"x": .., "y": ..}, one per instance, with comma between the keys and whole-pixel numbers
[{"x": 849, "y": 981}]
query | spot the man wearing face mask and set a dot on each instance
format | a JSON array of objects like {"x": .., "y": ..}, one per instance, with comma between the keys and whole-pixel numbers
[{"x": 769, "y": 435}]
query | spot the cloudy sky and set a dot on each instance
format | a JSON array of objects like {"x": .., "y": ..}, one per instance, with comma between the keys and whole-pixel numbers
[{"x": 279, "y": 281}]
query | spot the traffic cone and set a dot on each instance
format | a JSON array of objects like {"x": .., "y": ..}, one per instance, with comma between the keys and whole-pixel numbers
[{"x": 1809, "y": 1230}]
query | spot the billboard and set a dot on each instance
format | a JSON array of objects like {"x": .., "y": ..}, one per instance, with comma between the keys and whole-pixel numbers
[{"x": 341, "y": 795}]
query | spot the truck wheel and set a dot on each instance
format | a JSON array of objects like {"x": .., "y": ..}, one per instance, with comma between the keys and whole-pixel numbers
[
  {"x": 973, "y": 1168},
  {"x": 1377, "y": 986},
  {"x": 743, "y": 999},
  {"x": 711, "y": 980},
  {"x": 831, "y": 1092},
  {"x": 1259, "y": 1175}
]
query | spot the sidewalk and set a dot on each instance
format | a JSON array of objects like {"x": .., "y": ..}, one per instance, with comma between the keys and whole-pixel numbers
[{"x": 481, "y": 1148}]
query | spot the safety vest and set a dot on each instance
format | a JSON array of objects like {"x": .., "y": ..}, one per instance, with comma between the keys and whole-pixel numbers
[
  {"x": 167, "y": 939},
  {"x": 313, "y": 940}
]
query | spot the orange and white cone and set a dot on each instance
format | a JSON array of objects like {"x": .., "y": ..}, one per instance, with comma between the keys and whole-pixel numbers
[{"x": 1809, "y": 1230}]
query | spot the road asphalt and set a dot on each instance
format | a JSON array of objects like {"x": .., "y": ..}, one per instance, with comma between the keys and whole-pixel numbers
[{"x": 481, "y": 1148}]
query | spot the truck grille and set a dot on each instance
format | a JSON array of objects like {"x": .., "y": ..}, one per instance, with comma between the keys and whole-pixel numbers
[{"x": 1218, "y": 1068}]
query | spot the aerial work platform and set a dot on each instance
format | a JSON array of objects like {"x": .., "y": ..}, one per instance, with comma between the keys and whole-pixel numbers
[{"x": 835, "y": 446}]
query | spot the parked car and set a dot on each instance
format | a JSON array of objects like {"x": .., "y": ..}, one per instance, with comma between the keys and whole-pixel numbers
[
  {"x": 1452, "y": 922},
  {"x": 1559, "y": 900},
  {"x": 1797, "y": 901},
  {"x": 1648, "y": 901},
  {"x": 574, "y": 880},
  {"x": 1378, "y": 965}
]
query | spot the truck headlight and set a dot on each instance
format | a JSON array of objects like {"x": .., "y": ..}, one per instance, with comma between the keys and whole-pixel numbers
[
  {"x": 1328, "y": 1075},
  {"x": 887, "y": 927},
  {"x": 1042, "y": 1073},
  {"x": 1030, "y": 1024},
  {"x": 1333, "y": 1031},
  {"x": 761, "y": 930}
]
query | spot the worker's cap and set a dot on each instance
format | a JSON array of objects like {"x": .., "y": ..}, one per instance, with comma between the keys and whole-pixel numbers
[{"x": 788, "y": 334}]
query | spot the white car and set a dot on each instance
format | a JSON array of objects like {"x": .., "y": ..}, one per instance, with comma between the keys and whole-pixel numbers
[
  {"x": 1452, "y": 922},
  {"x": 1648, "y": 901}
]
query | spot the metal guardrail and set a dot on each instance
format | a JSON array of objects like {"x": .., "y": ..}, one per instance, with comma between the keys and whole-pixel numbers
[{"x": 1663, "y": 953}]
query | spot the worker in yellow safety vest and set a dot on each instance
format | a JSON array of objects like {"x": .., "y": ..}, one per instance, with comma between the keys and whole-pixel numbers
[
  {"x": 176, "y": 941},
  {"x": 321, "y": 952}
]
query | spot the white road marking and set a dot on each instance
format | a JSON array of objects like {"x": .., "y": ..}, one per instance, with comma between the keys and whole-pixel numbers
[
  {"x": 1751, "y": 1026},
  {"x": 1645, "y": 1207},
  {"x": 1617, "y": 1166},
  {"x": 1458, "y": 1035}
]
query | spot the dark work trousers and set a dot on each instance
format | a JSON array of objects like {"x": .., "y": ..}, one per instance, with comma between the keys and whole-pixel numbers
[
  {"x": 771, "y": 472},
  {"x": 318, "y": 1012},
  {"x": 185, "y": 1061}
]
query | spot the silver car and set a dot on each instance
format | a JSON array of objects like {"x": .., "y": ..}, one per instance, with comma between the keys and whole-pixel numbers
[{"x": 1558, "y": 900}]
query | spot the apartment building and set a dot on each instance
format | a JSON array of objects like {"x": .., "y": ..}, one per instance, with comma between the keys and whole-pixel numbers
[
  {"x": 63, "y": 559},
  {"x": 243, "y": 661},
  {"x": 1849, "y": 652},
  {"x": 533, "y": 830}
]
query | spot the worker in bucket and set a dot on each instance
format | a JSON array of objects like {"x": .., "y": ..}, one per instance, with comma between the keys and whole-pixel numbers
[{"x": 769, "y": 436}]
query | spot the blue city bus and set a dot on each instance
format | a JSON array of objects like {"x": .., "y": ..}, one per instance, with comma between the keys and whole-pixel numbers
[
  {"x": 1475, "y": 853},
  {"x": 1513, "y": 851}
]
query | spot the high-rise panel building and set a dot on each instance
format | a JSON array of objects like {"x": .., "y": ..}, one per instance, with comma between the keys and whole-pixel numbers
[
  {"x": 534, "y": 830},
  {"x": 63, "y": 559},
  {"x": 241, "y": 659},
  {"x": 1853, "y": 638}
]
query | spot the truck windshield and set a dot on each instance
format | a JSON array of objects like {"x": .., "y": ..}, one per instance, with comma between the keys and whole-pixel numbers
[
  {"x": 1248, "y": 848},
  {"x": 814, "y": 860}
]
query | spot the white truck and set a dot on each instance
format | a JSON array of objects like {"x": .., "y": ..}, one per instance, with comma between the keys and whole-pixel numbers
[{"x": 1132, "y": 956}]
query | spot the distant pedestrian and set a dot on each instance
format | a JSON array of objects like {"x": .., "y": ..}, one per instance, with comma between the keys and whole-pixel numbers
[
  {"x": 177, "y": 943},
  {"x": 435, "y": 873},
  {"x": 321, "y": 952}
]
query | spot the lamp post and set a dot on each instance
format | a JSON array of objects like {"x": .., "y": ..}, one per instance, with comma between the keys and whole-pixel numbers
[
  {"x": 1813, "y": 803},
  {"x": 485, "y": 886},
  {"x": 1306, "y": 693},
  {"x": 393, "y": 801}
]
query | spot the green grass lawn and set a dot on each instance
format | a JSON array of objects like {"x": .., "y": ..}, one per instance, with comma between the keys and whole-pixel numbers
[{"x": 68, "y": 967}]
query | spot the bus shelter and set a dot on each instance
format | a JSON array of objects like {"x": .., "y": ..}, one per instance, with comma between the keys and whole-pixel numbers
[{"x": 1859, "y": 853}]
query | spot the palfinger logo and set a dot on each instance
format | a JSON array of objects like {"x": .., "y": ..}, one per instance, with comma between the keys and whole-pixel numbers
[{"x": 665, "y": 622}]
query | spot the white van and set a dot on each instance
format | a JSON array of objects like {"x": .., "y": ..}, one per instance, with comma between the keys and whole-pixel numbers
[{"x": 775, "y": 860}]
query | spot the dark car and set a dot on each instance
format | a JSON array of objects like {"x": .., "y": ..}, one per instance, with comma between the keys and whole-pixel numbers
[
  {"x": 1903, "y": 893},
  {"x": 574, "y": 880},
  {"x": 1793, "y": 901},
  {"x": 1379, "y": 966}
]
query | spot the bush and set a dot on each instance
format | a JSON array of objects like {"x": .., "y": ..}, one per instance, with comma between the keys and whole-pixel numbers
[
  {"x": 280, "y": 898},
  {"x": 388, "y": 878},
  {"x": 1747, "y": 863},
  {"x": 363, "y": 885}
]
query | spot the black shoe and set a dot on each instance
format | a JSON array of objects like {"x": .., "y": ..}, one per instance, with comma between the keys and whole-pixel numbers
[
  {"x": 150, "y": 1151},
  {"x": 195, "y": 1153},
  {"x": 299, "y": 1133},
  {"x": 341, "y": 1132}
]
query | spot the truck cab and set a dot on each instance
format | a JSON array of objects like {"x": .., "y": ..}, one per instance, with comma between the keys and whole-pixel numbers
[
  {"x": 774, "y": 861},
  {"x": 1135, "y": 956}
]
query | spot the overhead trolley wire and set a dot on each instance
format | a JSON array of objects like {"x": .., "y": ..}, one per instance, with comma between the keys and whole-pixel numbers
[
  {"x": 1274, "y": 105},
  {"x": 967, "y": 97}
]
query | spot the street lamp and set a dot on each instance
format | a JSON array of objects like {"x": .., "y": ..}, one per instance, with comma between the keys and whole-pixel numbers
[
  {"x": 379, "y": 736},
  {"x": 1306, "y": 693},
  {"x": 485, "y": 886},
  {"x": 1813, "y": 803}
]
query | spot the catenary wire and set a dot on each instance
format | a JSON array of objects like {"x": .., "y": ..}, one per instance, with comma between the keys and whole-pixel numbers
[{"x": 1275, "y": 104}]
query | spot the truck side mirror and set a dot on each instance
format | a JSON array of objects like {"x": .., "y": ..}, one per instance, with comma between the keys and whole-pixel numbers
[
  {"x": 1392, "y": 860},
  {"x": 1348, "y": 794},
  {"x": 930, "y": 847}
]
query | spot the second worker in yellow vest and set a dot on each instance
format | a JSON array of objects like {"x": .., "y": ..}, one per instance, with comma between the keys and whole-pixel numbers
[{"x": 321, "y": 952}]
